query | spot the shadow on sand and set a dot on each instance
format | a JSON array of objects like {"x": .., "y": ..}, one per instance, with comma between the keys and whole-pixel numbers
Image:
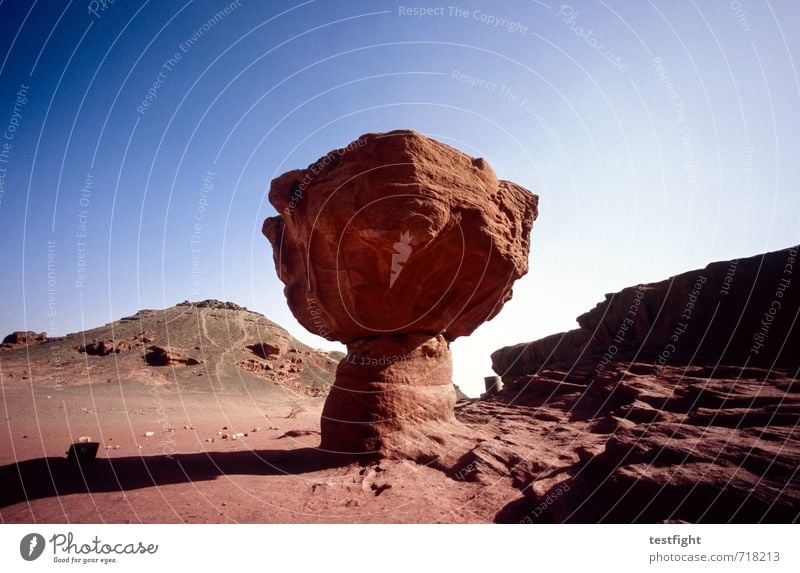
[{"x": 55, "y": 476}]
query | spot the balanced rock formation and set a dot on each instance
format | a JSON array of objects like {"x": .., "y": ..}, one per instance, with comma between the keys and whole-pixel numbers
[{"x": 396, "y": 245}]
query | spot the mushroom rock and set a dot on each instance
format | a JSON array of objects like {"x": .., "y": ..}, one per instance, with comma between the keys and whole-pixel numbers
[{"x": 396, "y": 245}]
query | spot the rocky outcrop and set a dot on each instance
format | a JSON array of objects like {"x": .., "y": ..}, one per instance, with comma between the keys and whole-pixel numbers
[
  {"x": 396, "y": 245},
  {"x": 166, "y": 356},
  {"x": 100, "y": 348},
  {"x": 695, "y": 444},
  {"x": 213, "y": 303},
  {"x": 675, "y": 400},
  {"x": 23, "y": 338},
  {"x": 111, "y": 346},
  {"x": 742, "y": 312},
  {"x": 264, "y": 350},
  {"x": 460, "y": 394}
]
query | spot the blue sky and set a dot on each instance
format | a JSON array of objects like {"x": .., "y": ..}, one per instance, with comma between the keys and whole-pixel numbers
[{"x": 660, "y": 136}]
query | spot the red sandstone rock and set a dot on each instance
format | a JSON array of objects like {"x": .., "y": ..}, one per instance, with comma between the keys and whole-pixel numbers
[
  {"x": 675, "y": 400},
  {"x": 389, "y": 393},
  {"x": 165, "y": 356},
  {"x": 396, "y": 245},
  {"x": 635, "y": 447},
  {"x": 23, "y": 338},
  {"x": 110, "y": 346},
  {"x": 739, "y": 312},
  {"x": 264, "y": 350}
]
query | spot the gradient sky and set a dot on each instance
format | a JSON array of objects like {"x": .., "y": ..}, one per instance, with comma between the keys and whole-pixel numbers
[{"x": 660, "y": 136}]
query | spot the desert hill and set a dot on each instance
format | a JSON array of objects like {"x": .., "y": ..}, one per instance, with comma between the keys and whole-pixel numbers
[{"x": 204, "y": 346}]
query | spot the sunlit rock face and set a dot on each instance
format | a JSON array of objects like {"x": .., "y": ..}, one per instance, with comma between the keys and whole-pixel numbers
[{"x": 396, "y": 245}]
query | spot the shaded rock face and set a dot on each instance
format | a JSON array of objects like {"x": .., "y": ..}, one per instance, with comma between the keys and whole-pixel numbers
[
  {"x": 633, "y": 447},
  {"x": 166, "y": 356},
  {"x": 689, "y": 412},
  {"x": 264, "y": 350},
  {"x": 396, "y": 245},
  {"x": 23, "y": 338},
  {"x": 742, "y": 312},
  {"x": 111, "y": 346},
  {"x": 100, "y": 348},
  {"x": 391, "y": 406}
]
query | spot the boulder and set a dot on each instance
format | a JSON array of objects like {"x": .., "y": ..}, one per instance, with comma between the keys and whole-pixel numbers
[
  {"x": 396, "y": 245},
  {"x": 166, "y": 356},
  {"x": 24, "y": 338}
]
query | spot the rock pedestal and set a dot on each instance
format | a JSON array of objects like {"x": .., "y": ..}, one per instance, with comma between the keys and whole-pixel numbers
[
  {"x": 396, "y": 245},
  {"x": 390, "y": 392}
]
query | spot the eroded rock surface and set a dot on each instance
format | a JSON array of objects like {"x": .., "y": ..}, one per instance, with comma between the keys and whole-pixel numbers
[
  {"x": 742, "y": 312},
  {"x": 676, "y": 400},
  {"x": 689, "y": 444},
  {"x": 23, "y": 338},
  {"x": 396, "y": 245}
]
